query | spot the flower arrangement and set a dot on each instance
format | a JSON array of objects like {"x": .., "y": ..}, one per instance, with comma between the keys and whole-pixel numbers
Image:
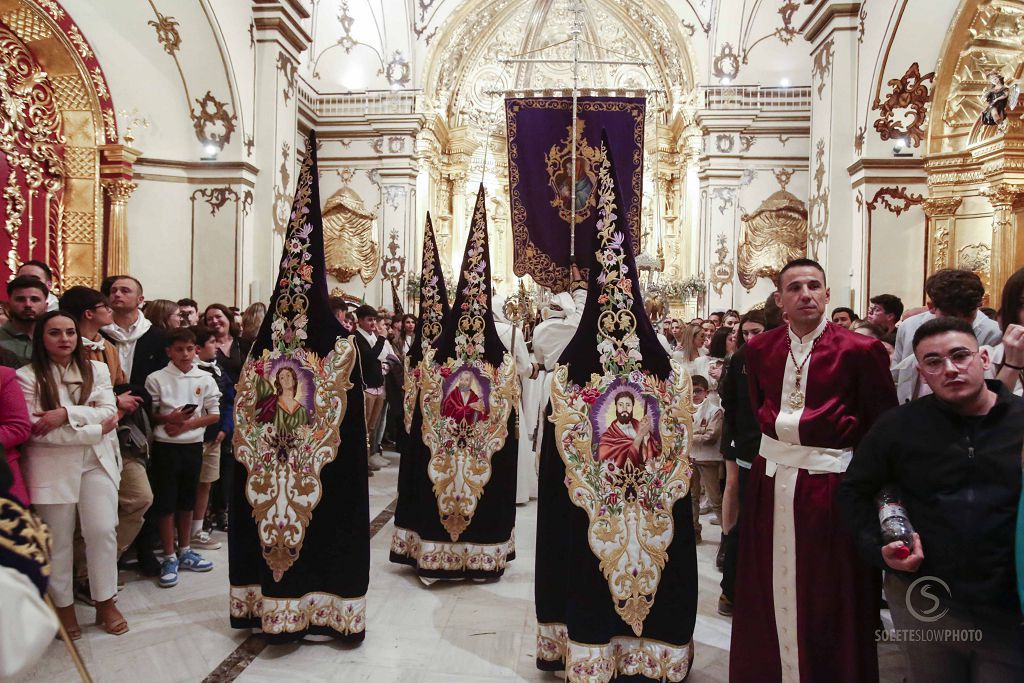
[{"x": 687, "y": 288}]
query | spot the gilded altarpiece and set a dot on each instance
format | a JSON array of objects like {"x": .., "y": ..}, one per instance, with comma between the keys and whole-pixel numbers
[
  {"x": 55, "y": 112},
  {"x": 975, "y": 171}
]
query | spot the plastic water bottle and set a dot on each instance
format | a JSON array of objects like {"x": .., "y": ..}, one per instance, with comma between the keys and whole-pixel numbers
[{"x": 892, "y": 517}]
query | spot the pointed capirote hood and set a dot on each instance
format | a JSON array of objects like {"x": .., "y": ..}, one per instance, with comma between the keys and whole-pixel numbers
[
  {"x": 434, "y": 305},
  {"x": 469, "y": 327},
  {"x": 299, "y": 312},
  {"x": 614, "y": 329}
]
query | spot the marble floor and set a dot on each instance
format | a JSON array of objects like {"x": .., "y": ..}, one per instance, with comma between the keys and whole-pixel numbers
[{"x": 449, "y": 632}]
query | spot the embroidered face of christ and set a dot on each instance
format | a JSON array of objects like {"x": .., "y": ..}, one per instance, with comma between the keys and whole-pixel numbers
[
  {"x": 624, "y": 409},
  {"x": 628, "y": 440}
]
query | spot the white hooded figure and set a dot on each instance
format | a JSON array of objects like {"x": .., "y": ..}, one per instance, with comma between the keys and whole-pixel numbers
[
  {"x": 550, "y": 337},
  {"x": 526, "y": 472}
]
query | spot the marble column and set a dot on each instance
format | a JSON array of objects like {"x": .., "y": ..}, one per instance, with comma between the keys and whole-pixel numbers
[
  {"x": 831, "y": 29},
  {"x": 281, "y": 35}
]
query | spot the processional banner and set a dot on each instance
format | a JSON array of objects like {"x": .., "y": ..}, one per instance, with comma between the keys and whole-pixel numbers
[{"x": 541, "y": 178}]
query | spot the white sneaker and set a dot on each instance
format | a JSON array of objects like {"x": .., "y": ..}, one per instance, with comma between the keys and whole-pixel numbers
[
  {"x": 715, "y": 520},
  {"x": 378, "y": 460},
  {"x": 202, "y": 539}
]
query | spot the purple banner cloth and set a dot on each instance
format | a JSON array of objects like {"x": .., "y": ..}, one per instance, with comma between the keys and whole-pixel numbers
[{"x": 540, "y": 178}]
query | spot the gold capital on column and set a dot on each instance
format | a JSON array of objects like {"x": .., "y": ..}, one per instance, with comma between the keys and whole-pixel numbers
[
  {"x": 940, "y": 212},
  {"x": 1006, "y": 250},
  {"x": 119, "y": 191}
]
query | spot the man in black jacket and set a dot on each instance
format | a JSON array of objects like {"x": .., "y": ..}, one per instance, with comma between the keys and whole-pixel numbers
[{"x": 954, "y": 457}]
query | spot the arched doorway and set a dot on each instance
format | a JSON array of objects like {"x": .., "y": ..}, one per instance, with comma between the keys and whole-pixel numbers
[
  {"x": 56, "y": 117},
  {"x": 464, "y": 143}
]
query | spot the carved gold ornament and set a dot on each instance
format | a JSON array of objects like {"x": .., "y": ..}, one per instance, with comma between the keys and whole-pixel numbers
[
  {"x": 977, "y": 258},
  {"x": 284, "y": 436},
  {"x": 30, "y": 132},
  {"x": 628, "y": 495},
  {"x": 726, "y": 63},
  {"x": 167, "y": 33},
  {"x": 212, "y": 120},
  {"x": 348, "y": 237},
  {"x": 993, "y": 42},
  {"x": 822, "y": 65},
  {"x": 722, "y": 269},
  {"x": 911, "y": 96},
  {"x": 772, "y": 236},
  {"x": 903, "y": 199},
  {"x": 817, "y": 206}
]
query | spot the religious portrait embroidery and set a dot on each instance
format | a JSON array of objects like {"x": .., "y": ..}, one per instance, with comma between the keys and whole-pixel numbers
[
  {"x": 559, "y": 163},
  {"x": 290, "y": 403},
  {"x": 466, "y": 401},
  {"x": 625, "y": 426},
  {"x": 465, "y": 396},
  {"x": 282, "y": 398},
  {"x": 624, "y": 437}
]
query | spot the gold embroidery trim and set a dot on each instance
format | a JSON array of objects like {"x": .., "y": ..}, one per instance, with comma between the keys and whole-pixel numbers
[
  {"x": 347, "y": 616},
  {"x": 454, "y": 557}
]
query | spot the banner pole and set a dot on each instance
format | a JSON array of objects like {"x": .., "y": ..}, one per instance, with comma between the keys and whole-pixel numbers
[{"x": 577, "y": 29}]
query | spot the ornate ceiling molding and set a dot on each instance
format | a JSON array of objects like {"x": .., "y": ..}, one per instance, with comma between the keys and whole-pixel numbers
[{"x": 463, "y": 63}]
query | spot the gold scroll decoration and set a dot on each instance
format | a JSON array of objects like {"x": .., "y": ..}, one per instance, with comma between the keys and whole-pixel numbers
[
  {"x": 772, "y": 236},
  {"x": 348, "y": 237}
]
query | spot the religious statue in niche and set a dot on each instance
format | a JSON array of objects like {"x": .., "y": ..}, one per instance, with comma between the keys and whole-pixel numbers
[
  {"x": 771, "y": 237},
  {"x": 998, "y": 97},
  {"x": 348, "y": 237}
]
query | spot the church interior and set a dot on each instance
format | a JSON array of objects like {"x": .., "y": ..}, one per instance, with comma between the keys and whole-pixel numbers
[{"x": 164, "y": 139}]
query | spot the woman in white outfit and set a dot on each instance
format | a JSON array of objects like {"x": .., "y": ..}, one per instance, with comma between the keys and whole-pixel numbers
[
  {"x": 72, "y": 463},
  {"x": 690, "y": 351}
]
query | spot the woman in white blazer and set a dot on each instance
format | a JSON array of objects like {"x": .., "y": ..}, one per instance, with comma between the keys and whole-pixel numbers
[{"x": 71, "y": 462}]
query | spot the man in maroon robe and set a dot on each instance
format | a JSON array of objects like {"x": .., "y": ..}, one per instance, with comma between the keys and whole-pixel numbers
[
  {"x": 806, "y": 605},
  {"x": 462, "y": 403},
  {"x": 627, "y": 439}
]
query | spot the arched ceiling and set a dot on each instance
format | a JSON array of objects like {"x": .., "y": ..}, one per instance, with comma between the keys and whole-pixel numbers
[{"x": 465, "y": 64}]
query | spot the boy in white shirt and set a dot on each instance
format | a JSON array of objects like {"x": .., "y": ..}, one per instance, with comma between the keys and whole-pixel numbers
[
  {"x": 185, "y": 401},
  {"x": 705, "y": 455}
]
